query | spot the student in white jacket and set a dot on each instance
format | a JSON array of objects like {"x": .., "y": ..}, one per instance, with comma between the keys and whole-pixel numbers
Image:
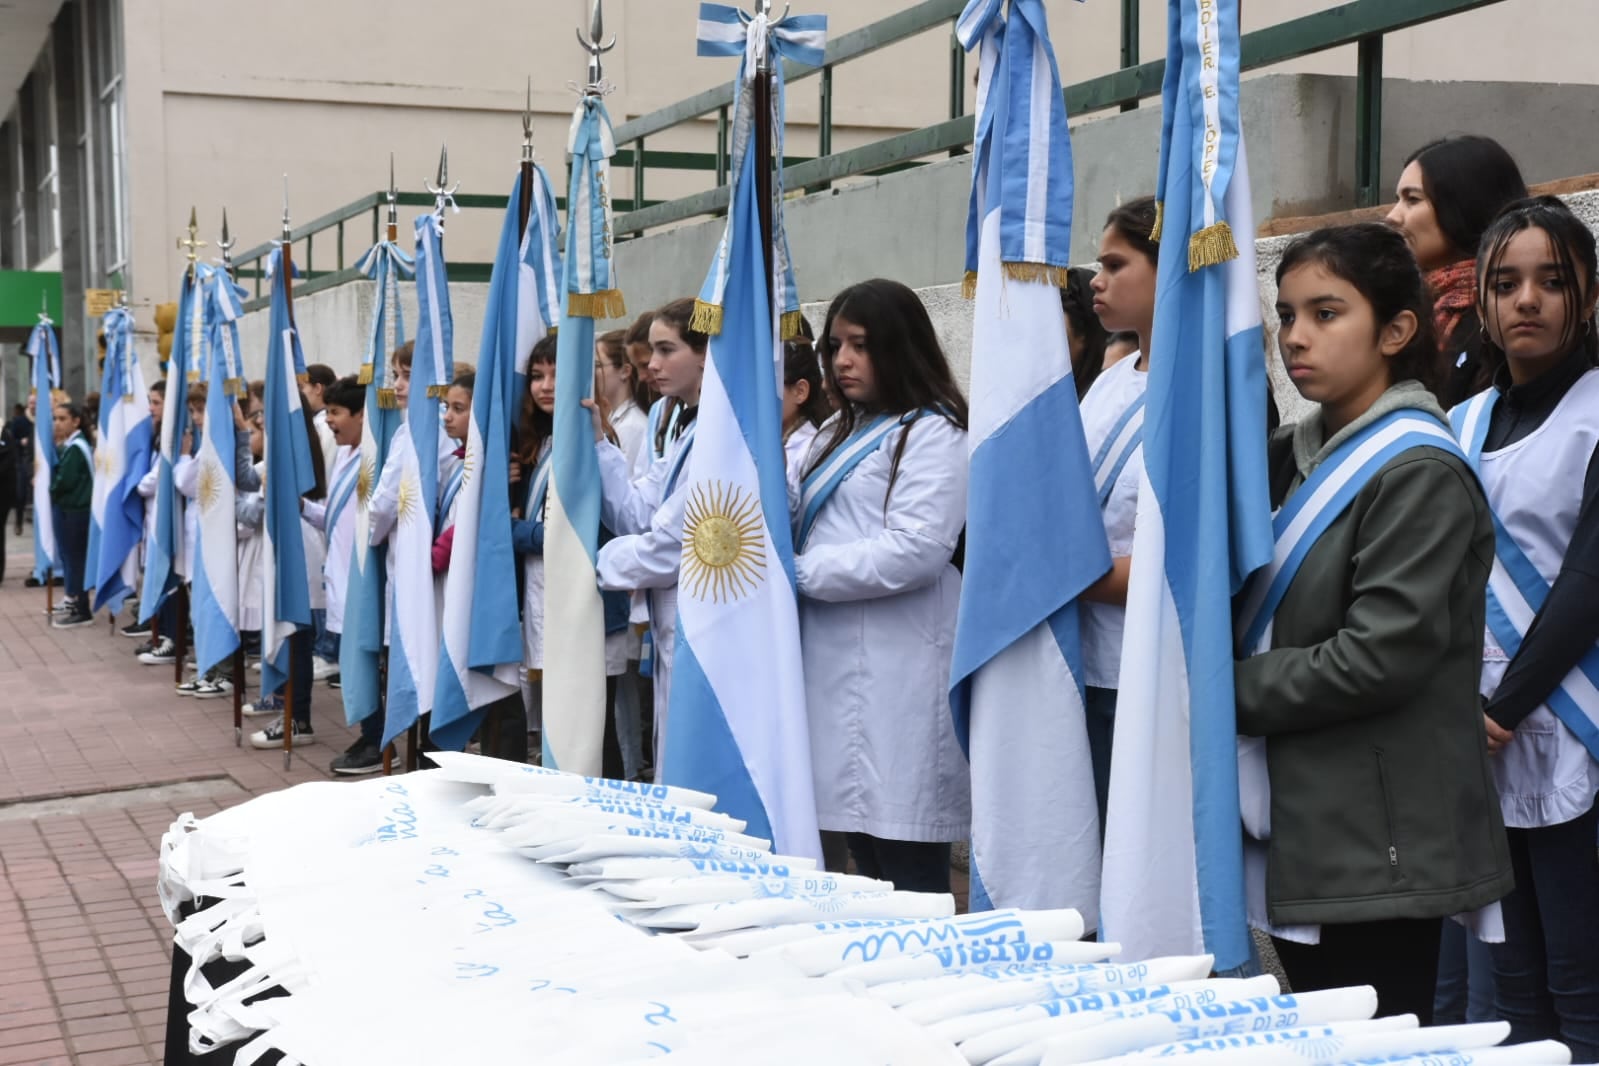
[
  {"x": 881, "y": 513},
  {"x": 647, "y": 513}
]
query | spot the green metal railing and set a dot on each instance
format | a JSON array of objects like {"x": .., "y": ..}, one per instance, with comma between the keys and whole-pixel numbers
[{"x": 1362, "y": 23}]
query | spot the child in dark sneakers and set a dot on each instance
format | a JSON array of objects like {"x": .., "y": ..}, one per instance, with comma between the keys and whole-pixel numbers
[{"x": 71, "y": 488}]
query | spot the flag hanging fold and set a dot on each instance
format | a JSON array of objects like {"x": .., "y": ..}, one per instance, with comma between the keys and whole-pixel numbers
[
  {"x": 539, "y": 279},
  {"x": 413, "y": 604},
  {"x": 288, "y": 475},
  {"x": 574, "y": 630},
  {"x": 733, "y": 730},
  {"x": 802, "y": 38},
  {"x": 215, "y": 584},
  {"x": 480, "y": 656},
  {"x": 1173, "y": 871},
  {"x": 361, "y": 649},
  {"x": 41, "y": 348},
  {"x": 122, "y": 458},
  {"x": 163, "y": 557},
  {"x": 1016, "y": 684}
]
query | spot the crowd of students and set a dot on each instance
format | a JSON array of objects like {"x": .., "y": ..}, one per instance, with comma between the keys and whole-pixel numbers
[{"x": 1417, "y": 771}]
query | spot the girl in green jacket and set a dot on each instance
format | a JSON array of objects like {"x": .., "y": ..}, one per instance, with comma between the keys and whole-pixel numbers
[{"x": 71, "y": 489}]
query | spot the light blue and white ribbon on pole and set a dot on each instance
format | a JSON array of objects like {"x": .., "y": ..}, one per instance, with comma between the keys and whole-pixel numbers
[
  {"x": 739, "y": 732},
  {"x": 574, "y": 628},
  {"x": 361, "y": 649},
  {"x": 46, "y": 356},
  {"x": 728, "y": 31},
  {"x": 1173, "y": 879},
  {"x": 116, "y": 510},
  {"x": 539, "y": 282},
  {"x": 1016, "y": 683}
]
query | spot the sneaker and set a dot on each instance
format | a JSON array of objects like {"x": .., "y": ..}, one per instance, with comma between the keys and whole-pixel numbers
[
  {"x": 211, "y": 688},
  {"x": 189, "y": 687},
  {"x": 74, "y": 618},
  {"x": 264, "y": 707},
  {"x": 148, "y": 645},
  {"x": 31, "y": 582},
  {"x": 163, "y": 654},
  {"x": 256, "y": 666},
  {"x": 321, "y": 669},
  {"x": 272, "y": 736},
  {"x": 333, "y": 680},
  {"x": 359, "y": 758},
  {"x": 136, "y": 629}
]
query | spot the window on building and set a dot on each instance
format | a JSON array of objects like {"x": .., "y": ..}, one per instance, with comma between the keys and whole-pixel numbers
[
  {"x": 45, "y": 186},
  {"x": 13, "y": 200},
  {"x": 102, "y": 24}
]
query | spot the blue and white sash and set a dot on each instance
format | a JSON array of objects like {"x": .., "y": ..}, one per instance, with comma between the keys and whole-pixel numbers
[
  {"x": 81, "y": 443},
  {"x": 821, "y": 483},
  {"x": 1319, "y": 502},
  {"x": 1126, "y": 437},
  {"x": 447, "y": 497},
  {"x": 654, "y": 423},
  {"x": 539, "y": 487},
  {"x": 685, "y": 445},
  {"x": 343, "y": 489},
  {"x": 1516, "y": 591}
]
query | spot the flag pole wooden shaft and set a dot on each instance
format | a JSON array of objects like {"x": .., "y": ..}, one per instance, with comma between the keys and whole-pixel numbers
[
  {"x": 763, "y": 169},
  {"x": 49, "y": 589},
  {"x": 288, "y": 708},
  {"x": 238, "y": 696},
  {"x": 180, "y": 639}
]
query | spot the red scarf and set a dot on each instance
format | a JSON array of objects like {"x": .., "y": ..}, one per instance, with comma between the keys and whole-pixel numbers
[{"x": 1454, "y": 292}]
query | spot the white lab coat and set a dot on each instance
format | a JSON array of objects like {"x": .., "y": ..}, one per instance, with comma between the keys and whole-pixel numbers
[
  {"x": 632, "y": 426},
  {"x": 645, "y": 554},
  {"x": 341, "y": 541},
  {"x": 878, "y": 597}
]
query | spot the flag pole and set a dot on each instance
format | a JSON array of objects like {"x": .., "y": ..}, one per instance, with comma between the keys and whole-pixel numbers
[
  {"x": 180, "y": 640},
  {"x": 763, "y": 153},
  {"x": 383, "y": 653},
  {"x": 225, "y": 245},
  {"x": 524, "y": 206},
  {"x": 49, "y": 570},
  {"x": 288, "y": 295}
]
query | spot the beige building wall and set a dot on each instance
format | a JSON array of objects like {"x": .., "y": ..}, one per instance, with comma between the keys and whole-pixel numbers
[{"x": 225, "y": 98}]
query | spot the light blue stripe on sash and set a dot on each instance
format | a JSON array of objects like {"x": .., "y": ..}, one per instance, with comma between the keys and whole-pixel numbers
[
  {"x": 672, "y": 472},
  {"x": 1123, "y": 441},
  {"x": 821, "y": 483},
  {"x": 539, "y": 487},
  {"x": 447, "y": 498},
  {"x": 341, "y": 493},
  {"x": 1324, "y": 496},
  {"x": 1516, "y": 584}
]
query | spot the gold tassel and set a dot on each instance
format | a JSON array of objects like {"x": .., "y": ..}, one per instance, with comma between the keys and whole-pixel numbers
[
  {"x": 1039, "y": 272},
  {"x": 194, "y": 375},
  {"x": 554, "y": 331},
  {"x": 365, "y": 376},
  {"x": 535, "y": 676},
  {"x": 790, "y": 325},
  {"x": 607, "y": 303},
  {"x": 1160, "y": 221},
  {"x": 387, "y": 400},
  {"x": 303, "y": 378},
  {"x": 59, "y": 396},
  {"x": 438, "y": 392},
  {"x": 969, "y": 286},
  {"x": 1210, "y": 246},
  {"x": 233, "y": 386},
  {"x": 707, "y": 318}
]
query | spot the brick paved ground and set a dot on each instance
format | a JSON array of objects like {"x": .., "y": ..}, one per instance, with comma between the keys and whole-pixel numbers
[{"x": 84, "y": 947}]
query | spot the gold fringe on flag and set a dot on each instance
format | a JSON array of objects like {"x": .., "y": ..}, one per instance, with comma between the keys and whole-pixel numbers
[
  {"x": 535, "y": 676},
  {"x": 607, "y": 303},
  {"x": 194, "y": 375},
  {"x": 438, "y": 392},
  {"x": 969, "y": 285},
  {"x": 303, "y": 378},
  {"x": 790, "y": 325},
  {"x": 387, "y": 400},
  {"x": 58, "y": 396},
  {"x": 553, "y": 331},
  {"x": 1044, "y": 272},
  {"x": 1160, "y": 220},
  {"x": 233, "y": 386},
  {"x": 1211, "y": 245},
  {"x": 707, "y": 318},
  {"x": 365, "y": 376}
]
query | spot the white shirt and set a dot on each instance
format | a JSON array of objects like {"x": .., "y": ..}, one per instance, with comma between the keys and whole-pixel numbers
[
  {"x": 1109, "y": 397},
  {"x": 341, "y": 538},
  {"x": 632, "y": 426}
]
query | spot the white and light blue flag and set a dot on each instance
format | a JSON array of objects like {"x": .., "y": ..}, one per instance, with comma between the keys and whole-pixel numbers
[
  {"x": 163, "y": 556},
  {"x": 413, "y": 604},
  {"x": 574, "y": 630},
  {"x": 1016, "y": 683},
  {"x": 46, "y": 356},
  {"x": 480, "y": 656},
  {"x": 122, "y": 458},
  {"x": 288, "y": 475},
  {"x": 1173, "y": 879},
  {"x": 215, "y": 583},
  {"x": 737, "y": 723},
  {"x": 361, "y": 646}
]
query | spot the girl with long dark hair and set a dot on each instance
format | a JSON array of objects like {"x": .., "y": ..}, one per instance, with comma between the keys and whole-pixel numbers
[{"x": 881, "y": 514}]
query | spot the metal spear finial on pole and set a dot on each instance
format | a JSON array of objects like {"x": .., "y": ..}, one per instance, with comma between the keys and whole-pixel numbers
[
  {"x": 394, "y": 201},
  {"x": 192, "y": 244},
  {"x": 443, "y": 192},
  {"x": 44, "y": 307},
  {"x": 287, "y": 239},
  {"x": 527, "y": 124},
  {"x": 225, "y": 244},
  {"x": 595, "y": 45}
]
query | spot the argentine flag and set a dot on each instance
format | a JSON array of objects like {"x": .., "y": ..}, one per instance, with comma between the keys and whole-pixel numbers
[
  {"x": 480, "y": 655},
  {"x": 1173, "y": 872},
  {"x": 116, "y": 510},
  {"x": 414, "y": 617},
  {"x": 41, "y": 348},
  {"x": 574, "y": 628},
  {"x": 737, "y": 722},
  {"x": 286, "y": 592},
  {"x": 215, "y": 606},
  {"x": 1016, "y": 684},
  {"x": 361, "y": 649},
  {"x": 163, "y": 557}
]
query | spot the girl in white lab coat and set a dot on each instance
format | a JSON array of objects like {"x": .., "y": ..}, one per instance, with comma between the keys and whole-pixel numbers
[
  {"x": 882, "y": 508},
  {"x": 647, "y": 513}
]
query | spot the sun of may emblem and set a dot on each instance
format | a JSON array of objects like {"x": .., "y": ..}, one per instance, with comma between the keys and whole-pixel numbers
[
  {"x": 364, "y": 478},
  {"x": 210, "y": 487},
  {"x": 724, "y": 555},
  {"x": 408, "y": 501}
]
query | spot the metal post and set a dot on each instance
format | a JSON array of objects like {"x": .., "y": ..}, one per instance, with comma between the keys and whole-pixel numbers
[
  {"x": 721, "y": 147},
  {"x": 638, "y": 174},
  {"x": 1130, "y": 42},
  {"x": 1368, "y": 121},
  {"x": 957, "y": 77},
  {"x": 824, "y": 115}
]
